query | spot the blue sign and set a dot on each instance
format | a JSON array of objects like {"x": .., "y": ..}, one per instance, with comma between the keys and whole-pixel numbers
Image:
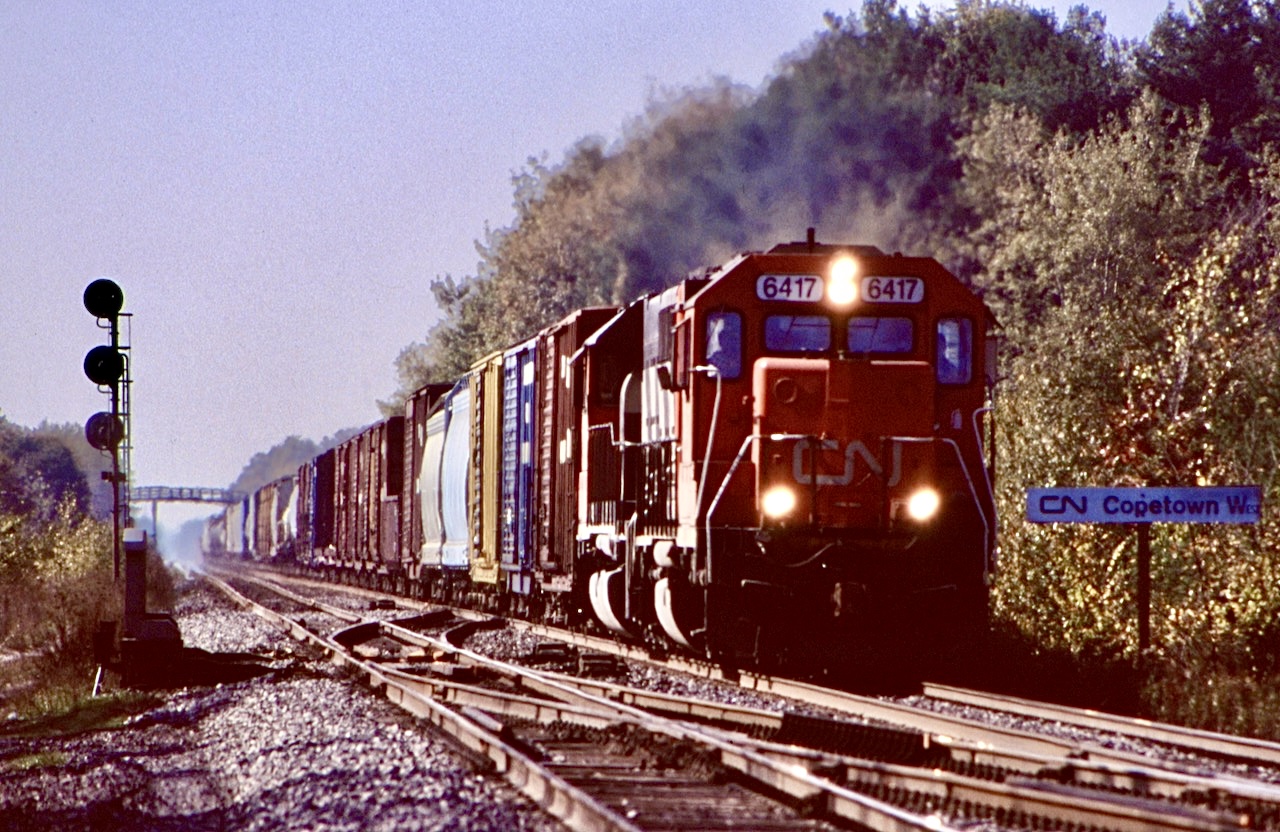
[{"x": 1228, "y": 504}]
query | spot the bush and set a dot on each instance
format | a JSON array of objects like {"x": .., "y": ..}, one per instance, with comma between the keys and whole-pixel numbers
[{"x": 57, "y": 582}]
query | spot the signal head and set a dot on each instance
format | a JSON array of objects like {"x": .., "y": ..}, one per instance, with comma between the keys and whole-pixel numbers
[
  {"x": 104, "y": 366},
  {"x": 104, "y": 431},
  {"x": 103, "y": 298}
]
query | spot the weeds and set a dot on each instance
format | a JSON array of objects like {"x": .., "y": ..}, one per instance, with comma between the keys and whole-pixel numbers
[
  {"x": 62, "y": 711},
  {"x": 57, "y": 583},
  {"x": 45, "y": 759},
  {"x": 1214, "y": 696}
]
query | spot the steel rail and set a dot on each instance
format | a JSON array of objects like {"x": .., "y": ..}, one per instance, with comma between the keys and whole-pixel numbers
[
  {"x": 798, "y": 782},
  {"x": 1052, "y": 799},
  {"x": 1059, "y": 801},
  {"x": 1147, "y": 781},
  {"x": 598, "y": 703},
  {"x": 560, "y": 798},
  {"x": 1246, "y": 749}
]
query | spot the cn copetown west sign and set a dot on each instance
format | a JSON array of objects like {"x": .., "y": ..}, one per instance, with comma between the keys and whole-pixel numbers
[{"x": 1226, "y": 504}]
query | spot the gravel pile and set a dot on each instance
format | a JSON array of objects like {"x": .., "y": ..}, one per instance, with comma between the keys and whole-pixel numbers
[{"x": 299, "y": 748}]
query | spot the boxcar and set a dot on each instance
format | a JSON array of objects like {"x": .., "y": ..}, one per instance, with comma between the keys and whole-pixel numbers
[
  {"x": 484, "y": 494},
  {"x": 561, "y": 396},
  {"x": 369, "y": 477}
]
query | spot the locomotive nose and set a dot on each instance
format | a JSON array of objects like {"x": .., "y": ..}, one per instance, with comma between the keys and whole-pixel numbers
[{"x": 843, "y": 441}]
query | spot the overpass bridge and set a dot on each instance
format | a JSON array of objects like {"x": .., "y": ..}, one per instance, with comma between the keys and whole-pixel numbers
[
  {"x": 184, "y": 494},
  {"x": 157, "y": 494}
]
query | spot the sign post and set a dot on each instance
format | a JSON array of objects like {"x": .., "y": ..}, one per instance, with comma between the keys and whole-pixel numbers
[
  {"x": 1144, "y": 587},
  {"x": 1140, "y": 507}
]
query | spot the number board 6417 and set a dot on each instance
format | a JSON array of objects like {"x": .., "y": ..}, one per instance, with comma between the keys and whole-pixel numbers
[
  {"x": 795, "y": 288},
  {"x": 892, "y": 290}
]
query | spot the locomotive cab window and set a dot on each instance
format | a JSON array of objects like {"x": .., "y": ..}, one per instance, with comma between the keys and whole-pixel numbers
[
  {"x": 880, "y": 335},
  {"x": 724, "y": 343},
  {"x": 955, "y": 351},
  {"x": 797, "y": 333}
]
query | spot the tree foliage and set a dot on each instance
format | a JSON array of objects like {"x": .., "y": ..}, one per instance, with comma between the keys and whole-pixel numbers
[
  {"x": 1143, "y": 305},
  {"x": 38, "y": 472},
  {"x": 284, "y": 459},
  {"x": 55, "y": 557},
  {"x": 1224, "y": 57}
]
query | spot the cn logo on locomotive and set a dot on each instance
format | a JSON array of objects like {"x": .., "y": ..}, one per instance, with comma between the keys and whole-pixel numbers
[{"x": 803, "y": 463}]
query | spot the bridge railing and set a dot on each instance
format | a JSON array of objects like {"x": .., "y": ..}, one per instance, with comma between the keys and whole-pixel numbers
[{"x": 183, "y": 494}]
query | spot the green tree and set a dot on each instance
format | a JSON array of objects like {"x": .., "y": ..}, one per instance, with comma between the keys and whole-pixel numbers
[
  {"x": 1000, "y": 53},
  {"x": 37, "y": 473},
  {"x": 1142, "y": 306},
  {"x": 1225, "y": 56},
  {"x": 281, "y": 460}
]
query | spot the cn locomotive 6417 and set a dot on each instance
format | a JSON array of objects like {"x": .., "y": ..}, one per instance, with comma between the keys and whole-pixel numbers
[{"x": 779, "y": 461}]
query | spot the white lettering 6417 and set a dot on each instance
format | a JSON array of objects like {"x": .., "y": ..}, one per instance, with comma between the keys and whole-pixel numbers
[
  {"x": 800, "y": 288},
  {"x": 892, "y": 290}
]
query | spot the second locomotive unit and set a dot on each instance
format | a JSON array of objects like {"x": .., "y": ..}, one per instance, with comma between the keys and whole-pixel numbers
[{"x": 781, "y": 460}]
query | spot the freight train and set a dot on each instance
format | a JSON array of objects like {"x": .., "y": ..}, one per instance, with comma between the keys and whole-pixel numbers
[{"x": 786, "y": 460}]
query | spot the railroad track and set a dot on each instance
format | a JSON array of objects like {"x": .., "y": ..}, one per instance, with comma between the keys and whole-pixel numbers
[
  {"x": 1203, "y": 743},
  {"x": 591, "y": 763},
  {"x": 586, "y": 736},
  {"x": 1241, "y": 749}
]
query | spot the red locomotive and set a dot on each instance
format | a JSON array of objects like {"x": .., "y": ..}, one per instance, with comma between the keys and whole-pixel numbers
[{"x": 781, "y": 460}]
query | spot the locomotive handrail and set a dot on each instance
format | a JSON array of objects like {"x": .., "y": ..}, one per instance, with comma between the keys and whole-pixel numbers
[
  {"x": 986, "y": 526},
  {"x": 713, "y": 371},
  {"x": 973, "y": 490},
  {"x": 986, "y": 471},
  {"x": 627, "y": 443},
  {"x": 724, "y": 483}
]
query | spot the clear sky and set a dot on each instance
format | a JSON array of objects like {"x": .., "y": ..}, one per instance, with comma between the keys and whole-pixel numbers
[{"x": 275, "y": 184}]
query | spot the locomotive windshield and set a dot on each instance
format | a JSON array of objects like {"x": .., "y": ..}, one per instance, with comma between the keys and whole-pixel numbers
[
  {"x": 955, "y": 351},
  {"x": 880, "y": 335},
  {"x": 812, "y": 333},
  {"x": 797, "y": 333}
]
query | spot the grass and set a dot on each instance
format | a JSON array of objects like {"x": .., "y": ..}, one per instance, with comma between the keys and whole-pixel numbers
[
  {"x": 1230, "y": 701},
  {"x": 1213, "y": 690},
  {"x": 60, "y": 702},
  {"x": 52, "y": 618},
  {"x": 28, "y": 762}
]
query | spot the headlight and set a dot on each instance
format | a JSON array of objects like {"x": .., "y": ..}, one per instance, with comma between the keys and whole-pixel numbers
[
  {"x": 778, "y": 502},
  {"x": 923, "y": 504},
  {"x": 842, "y": 290}
]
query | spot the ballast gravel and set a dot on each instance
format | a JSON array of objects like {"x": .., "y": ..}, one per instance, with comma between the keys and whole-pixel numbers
[{"x": 300, "y": 748}]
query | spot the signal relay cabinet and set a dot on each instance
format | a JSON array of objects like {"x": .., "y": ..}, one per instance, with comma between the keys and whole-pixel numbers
[{"x": 151, "y": 644}]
